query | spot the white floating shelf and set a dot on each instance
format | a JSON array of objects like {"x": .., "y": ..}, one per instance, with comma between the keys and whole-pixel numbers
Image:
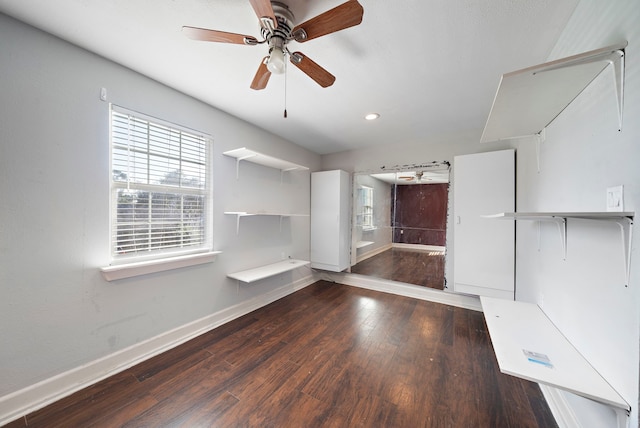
[
  {"x": 529, "y": 346},
  {"x": 362, "y": 244},
  {"x": 241, "y": 214},
  {"x": 623, "y": 219},
  {"x": 528, "y": 100},
  {"x": 542, "y": 216},
  {"x": 261, "y": 159},
  {"x": 262, "y": 272}
]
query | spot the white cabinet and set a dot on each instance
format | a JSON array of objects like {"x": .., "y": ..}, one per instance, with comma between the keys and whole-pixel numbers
[
  {"x": 330, "y": 220},
  {"x": 484, "y": 249}
]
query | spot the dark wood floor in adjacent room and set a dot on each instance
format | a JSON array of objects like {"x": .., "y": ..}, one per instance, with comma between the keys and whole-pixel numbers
[
  {"x": 326, "y": 356},
  {"x": 418, "y": 267}
]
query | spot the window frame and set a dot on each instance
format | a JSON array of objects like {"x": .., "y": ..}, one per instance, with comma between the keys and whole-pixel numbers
[
  {"x": 151, "y": 256},
  {"x": 366, "y": 212}
]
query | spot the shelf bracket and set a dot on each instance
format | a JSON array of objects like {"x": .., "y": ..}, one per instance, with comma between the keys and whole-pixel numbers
[
  {"x": 626, "y": 229},
  {"x": 615, "y": 58},
  {"x": 561, "y": 222},
  {"x": 238, "y": 164},
  {"x": 562, "y": 228},
  {"x": 540, "y": 138},
  {"x": 618, "y": 76}
]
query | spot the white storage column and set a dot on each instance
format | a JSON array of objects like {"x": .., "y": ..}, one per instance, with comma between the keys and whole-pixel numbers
[
  {"x": 484, "y": 252},
  {"x": 330, "y": 220}
]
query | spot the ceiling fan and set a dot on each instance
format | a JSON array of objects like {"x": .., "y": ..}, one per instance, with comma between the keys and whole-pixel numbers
[
  {"x": 417, "y": 175},
  {"x": 277, "y": 29}
]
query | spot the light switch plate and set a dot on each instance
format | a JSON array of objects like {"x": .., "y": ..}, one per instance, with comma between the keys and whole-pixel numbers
[{"x": 615, "y": 199}]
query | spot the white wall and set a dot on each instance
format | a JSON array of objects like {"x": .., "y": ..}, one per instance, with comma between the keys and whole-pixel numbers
[
  {"x": 56, "y": 311},
  {"x": 583, "y": 154},
  {"x": 586, "y": 296}
]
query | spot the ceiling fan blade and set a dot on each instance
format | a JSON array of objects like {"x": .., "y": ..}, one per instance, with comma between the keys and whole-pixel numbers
[
  {"x": 264, "y": 9},
  {"x": 262, "y": 76},
  {"x": 312, "y": 69},
  {"x": 340, "y": 17},
  {"x": 218, "y": 36}
]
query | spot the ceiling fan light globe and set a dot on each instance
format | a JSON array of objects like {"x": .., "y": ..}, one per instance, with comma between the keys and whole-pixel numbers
[{"x": 276, "y": 61}]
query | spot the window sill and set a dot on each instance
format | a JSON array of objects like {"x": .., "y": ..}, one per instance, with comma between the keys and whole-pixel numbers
[{"x": 129, "y": 270}]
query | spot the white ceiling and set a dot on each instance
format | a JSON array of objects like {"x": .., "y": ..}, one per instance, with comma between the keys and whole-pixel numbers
[{"x": 429, "y": 67}]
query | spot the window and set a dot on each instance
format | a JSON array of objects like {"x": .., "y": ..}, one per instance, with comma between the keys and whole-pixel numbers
[
  {"x": 365, "y": 205},
  {"x": 160, "y": 188}
]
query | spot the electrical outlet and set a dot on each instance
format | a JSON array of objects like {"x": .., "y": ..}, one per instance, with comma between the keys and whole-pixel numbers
[{"x": 615, "y": 198}]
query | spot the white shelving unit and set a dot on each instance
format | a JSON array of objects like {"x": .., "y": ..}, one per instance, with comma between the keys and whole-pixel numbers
[
  {"x": 623, "y": 219},
  {"x": 244, "y": 154},
  {"x": 240, "y": 214},
  {"x": 529, "y": 346},
  {"x": 262, "y": 272}
]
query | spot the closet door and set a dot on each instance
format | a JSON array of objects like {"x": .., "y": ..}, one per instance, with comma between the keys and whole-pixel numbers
[{"x": 484, "y": 249}]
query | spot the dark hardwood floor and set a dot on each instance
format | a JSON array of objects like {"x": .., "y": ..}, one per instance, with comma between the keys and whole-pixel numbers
[
  {"x": 326, "y": 356},
  {"x": 425, "y": 268}
]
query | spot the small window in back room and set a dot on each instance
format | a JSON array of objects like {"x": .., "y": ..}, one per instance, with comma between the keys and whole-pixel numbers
[
  {"x": 365, "y": 207},
  {"x": 161, "y": 193}
]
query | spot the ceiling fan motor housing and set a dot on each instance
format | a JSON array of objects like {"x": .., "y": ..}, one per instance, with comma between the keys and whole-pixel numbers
[{"x": 279, "y": 36}]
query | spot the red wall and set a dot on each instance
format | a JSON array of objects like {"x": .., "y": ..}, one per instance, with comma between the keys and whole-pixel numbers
[{"x": 420, "y": 214}]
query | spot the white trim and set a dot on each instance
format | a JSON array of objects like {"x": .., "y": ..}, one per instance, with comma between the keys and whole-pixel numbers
[
  {"x": 373, "y": 252},
  {"x": 420, "y": 247},
  {"x": 41, "y": 394},
  {"x": 407, "y": 290},
  {"x": 560, "y": 407},
  {"x": 128, "y": 270}
]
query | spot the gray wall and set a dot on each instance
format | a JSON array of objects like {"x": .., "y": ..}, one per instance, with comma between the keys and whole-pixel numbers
[{"x": 56, "y": 311}]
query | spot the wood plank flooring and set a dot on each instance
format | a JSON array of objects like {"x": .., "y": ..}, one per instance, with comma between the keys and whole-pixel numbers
[
  {"x": 405, "y": 265},
  {"x": 326, "y": 356}
]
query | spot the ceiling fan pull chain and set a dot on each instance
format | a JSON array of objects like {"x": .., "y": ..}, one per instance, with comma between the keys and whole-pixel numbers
[{"x": 285, "y": 89}]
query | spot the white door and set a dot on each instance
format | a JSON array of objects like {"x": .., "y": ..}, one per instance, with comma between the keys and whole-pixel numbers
[{"x": 484, "y": 249}]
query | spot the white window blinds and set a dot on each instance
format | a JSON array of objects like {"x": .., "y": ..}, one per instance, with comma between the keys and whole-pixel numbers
[{"x": 160, "y": 187}]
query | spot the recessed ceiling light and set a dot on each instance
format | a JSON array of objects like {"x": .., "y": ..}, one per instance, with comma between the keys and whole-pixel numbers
[{"x": 372, "y": 116}]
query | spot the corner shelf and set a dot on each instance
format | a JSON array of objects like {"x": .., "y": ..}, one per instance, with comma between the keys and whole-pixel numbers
[
  {"x": 623, "y": 219},
  {"x": 240, "y": 214},
  {"x": 527, "y": 345},
  {"x": 261, "y": 159},
  {"x": 262, "y": 272}
]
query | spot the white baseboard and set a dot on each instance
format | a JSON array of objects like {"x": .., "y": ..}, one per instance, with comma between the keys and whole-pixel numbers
[
  {"x": 372, "y": 253},
  {"x": 41, "y": 394},
  {"x": 420, "y": 247},
  {"x": 560, "y": 408},
  {"x": 407, "y": 290}
]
